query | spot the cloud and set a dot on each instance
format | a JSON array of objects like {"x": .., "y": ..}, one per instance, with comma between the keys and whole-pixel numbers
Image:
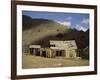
[
  {"x": 65, "y": 23},
  {"x": 85, "y": 21},
  {"x": 80, "y": 28},
  {"x": 69, "y": 18}
]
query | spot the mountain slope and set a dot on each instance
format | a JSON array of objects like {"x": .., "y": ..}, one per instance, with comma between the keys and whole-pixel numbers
[{"x": 36, "y": 29}]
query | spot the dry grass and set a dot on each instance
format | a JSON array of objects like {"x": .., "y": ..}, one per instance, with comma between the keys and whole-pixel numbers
[{"x": 30, "y": 61}]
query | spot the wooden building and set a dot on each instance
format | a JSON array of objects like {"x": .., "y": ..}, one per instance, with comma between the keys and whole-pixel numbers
[
  {"x": 67, "y": 49},
  {"x": 64, "y": 48}
]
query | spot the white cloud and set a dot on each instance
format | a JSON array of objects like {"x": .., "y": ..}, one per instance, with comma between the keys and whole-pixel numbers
[
  {"x": 85, "y": 21},
  {"x": 65, "y": 23},
  {"x": 69, "y": 18},
  {"x": 80, "y": 28}
]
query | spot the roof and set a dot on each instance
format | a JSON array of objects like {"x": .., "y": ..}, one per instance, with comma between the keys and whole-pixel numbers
[
  {"x": 34, "y": 46},
  {"x": 67, "y": 44},
  {"x": 60, "y": 48}
]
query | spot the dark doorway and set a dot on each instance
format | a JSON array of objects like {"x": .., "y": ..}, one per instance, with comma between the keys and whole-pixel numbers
[
  {"x": 31, "y": 51},
  {"x": 59, "y": 53},
  {"x": 37, "y": 52},
  {"x": 44, "y": 53}
]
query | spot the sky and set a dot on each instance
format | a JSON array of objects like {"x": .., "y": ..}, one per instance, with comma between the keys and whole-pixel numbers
[{"x": 79, "y": 21}]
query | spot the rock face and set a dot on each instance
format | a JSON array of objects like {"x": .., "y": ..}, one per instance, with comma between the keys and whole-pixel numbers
[{"x": 41, "y": 31}]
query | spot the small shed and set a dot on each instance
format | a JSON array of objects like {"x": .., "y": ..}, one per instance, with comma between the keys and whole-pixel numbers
[{"x": 34, "y": 49}]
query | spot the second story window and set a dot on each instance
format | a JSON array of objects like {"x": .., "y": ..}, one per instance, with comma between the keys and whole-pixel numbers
[{"x": 52, "y": 45}]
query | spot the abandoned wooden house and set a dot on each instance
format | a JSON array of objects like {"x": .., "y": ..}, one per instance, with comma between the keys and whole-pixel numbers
[
  {"x": 64, "y": 48},
  {"x": 67, "y": 49}
]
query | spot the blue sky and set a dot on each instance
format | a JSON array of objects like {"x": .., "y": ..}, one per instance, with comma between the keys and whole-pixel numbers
[{"x": 79, "y": 21}]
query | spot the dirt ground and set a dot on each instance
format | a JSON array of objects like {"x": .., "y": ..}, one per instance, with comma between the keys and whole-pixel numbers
[{"x": 30, "y": 61}]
